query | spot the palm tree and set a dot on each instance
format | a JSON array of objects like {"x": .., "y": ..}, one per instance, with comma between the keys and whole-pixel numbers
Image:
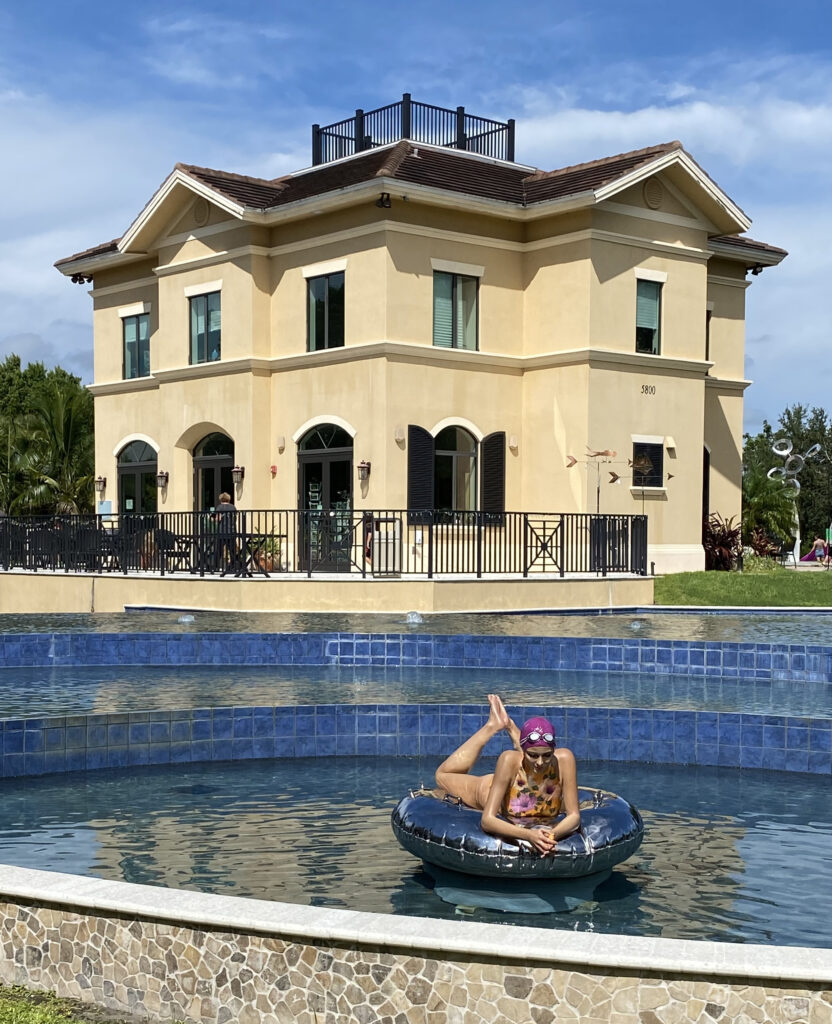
[
  {"x": 767, "y": 507},
  {"x": 55, "y": 452}
]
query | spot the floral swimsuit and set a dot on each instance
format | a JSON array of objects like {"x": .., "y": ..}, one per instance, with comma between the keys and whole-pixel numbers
[{"x": 535, "y": 796}]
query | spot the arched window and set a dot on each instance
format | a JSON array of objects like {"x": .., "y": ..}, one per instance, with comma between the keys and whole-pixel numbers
[
  {"x": 324, "y": 438},
  {"x": 455, "y": 470},
  {"x": 213, "y": 462},
  {"x": 137, "y": 479}
]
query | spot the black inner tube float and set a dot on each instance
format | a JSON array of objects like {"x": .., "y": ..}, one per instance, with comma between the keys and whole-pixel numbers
[{"x": 441, "y": 830}]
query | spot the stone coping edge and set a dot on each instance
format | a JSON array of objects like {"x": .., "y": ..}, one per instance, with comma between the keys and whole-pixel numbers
[{"x": 208, "y": 911}]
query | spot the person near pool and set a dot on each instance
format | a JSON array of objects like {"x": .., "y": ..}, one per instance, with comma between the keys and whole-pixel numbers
[{"x": 532, "y": 784}]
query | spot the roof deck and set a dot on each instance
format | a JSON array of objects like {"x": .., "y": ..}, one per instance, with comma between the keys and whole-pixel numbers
[{"x": 419, "y": 122}]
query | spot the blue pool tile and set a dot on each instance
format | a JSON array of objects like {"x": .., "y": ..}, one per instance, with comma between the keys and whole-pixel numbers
[
  {"x": 751, "y": 757},
  {"x": 221, "y": 727},
  {"x": 774, "y": 736},
  {"x": 200, "y": 750},
  {"x": 221, "y": 749},
  {"x": 12, "y": 765},
  {"x": 117, "y": 735},
  {"x": 820, "y": 737},
  {"x": 96, "y": 758},
  {"x": 751, "y": 733},
  {"x": 304, "y": 745},
  {"x": 598, "y": 725},
  {"x": 117, "y": 756},
  {"x": 820, "y": 763},
  {"x": 707, "y": 753},
  {"x": 54, "y": 761},
  {"x": 344, "y": 745},
  {"x": 76, "y": 737},
  {"x": 664, "y": 751},
  {"x": 33, "y": 741},
  {"x": 408, "y": 744},
  {"x": 158, "y": 753},
  {"x": 137, "y": 732},
  {"x": 96, "y": 736},
  {"x": 180, "y": 753},
  {"x": 707, "y": 727},
  {"x": 684, "y": 726},
  {"x": 159, "y": 733},
  {"x": 619, "y": 719},
  {"x": 243, "y": 727},
  {"x": 797, "y": 760},
  {"x": 76, "y": 760},
  {"x": 641, "y": 725},
  {"x": 729, "y": 729},
  {"x": 641, "y": 750},
  {"x": 774, "y": 758},
  {"x": 797, "y": 738},
  {"x": 388, "y": 745},
  {"x": 619, "y": 750},
  {"x": 729, "y": 755},
  {"x": 284, "y": 746},
  {"x": 34, "y": 764},
  {"x": 366, "y": 745}
]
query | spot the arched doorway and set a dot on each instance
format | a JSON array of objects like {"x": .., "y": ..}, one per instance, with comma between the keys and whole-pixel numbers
[
  {"x": 137, "y": 467},
  {"x": 325, "y": 495},
  {"x": 213, "y": 462}
]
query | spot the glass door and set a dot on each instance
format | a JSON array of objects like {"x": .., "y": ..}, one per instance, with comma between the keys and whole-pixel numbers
[{"x": 326, "y": 501}]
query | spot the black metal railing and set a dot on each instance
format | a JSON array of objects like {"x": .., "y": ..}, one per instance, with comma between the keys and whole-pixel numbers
[
  {"x": 372, "y": 543},
  {"x": 421, "y": 122}
]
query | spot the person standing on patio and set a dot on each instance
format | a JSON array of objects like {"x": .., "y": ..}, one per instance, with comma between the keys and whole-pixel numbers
[{"x": 225, "y": 516}]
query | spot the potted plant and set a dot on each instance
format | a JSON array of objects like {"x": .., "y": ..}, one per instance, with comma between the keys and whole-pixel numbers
[{"x": 266, "y": 551}]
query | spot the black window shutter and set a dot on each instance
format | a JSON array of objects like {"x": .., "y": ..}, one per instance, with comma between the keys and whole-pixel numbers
[
  {"x": 493, "y": 473},
  {"x": 420, "y": 459}
]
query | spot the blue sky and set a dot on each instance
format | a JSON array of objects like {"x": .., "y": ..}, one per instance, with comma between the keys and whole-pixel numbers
[{"x": 99, "y": 100}]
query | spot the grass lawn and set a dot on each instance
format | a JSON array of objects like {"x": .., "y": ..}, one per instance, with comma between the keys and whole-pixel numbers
[
  {"x": 774, "y": 588},
  {"x": 20, "y": 1006}
]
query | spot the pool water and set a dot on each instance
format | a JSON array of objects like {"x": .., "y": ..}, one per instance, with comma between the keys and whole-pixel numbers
[
  {"x": 730, "y": 855},
  {"x": 112, "y": 689},
  {"x": 761, "y": 626}
]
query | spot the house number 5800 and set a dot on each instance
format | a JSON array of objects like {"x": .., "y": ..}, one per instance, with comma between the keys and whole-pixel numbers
[{"x": 648, "y": 389}]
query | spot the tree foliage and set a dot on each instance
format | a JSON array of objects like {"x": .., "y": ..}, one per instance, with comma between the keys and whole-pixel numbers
[
  {"x": 804, "y": 428},
  {"x": 768, "y": 512},
  {"x": 46, "y": 440}
]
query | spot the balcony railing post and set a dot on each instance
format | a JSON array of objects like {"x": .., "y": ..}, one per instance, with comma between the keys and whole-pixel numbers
[
  {"x": 317, "y": 154},
  {"x": 562, "y": 532},
  {"x": 406, "y": 112},
  {"x": 460, "y": 128},
  {"x": 525, "y": 544},
  {"x": 479, "y": 545},
  {"x": 510, "y": 140},
  {"x": 430, "y": 546},
  {"x": 358, "y": 130}
]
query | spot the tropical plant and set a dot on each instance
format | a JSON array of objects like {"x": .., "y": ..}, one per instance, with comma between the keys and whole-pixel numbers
[
  {"x": 721, "y": 541},
  {"x": 768, "y": 511}
]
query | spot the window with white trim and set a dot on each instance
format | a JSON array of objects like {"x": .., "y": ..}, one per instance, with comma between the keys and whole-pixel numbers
[
  {"x": 455, "y": 313},
  {"x": 136, "y": 346},
  {"x": 648, "y": 317},
  {"x": 206, "y": 324},
  {"x": 325, "y": 305}
]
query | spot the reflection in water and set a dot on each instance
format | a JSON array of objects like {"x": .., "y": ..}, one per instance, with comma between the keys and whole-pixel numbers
[
  {"x": 729, "y": 855},
  {"x": 758, "y": 627},
  {"x": 140, "y": 688}
]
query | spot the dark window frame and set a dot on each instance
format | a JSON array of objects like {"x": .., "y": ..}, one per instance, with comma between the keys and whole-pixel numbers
[
  {"x": 194, "y": 345},
  {"x": 139, "y": 349},
  {"x": 472, "y": 457},
  {"x": 455, "y": 284},
  {"x": 654, "y": 476},
  {"x": 310, "y": 282}
]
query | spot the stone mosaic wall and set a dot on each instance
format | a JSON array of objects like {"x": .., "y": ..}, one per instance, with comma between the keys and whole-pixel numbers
[
  {"x": 172, "y": 972},
  {"x": 36, "y": 746}
]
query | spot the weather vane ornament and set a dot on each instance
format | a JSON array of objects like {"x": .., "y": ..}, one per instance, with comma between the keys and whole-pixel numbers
[{"x": 788, "y": 472}]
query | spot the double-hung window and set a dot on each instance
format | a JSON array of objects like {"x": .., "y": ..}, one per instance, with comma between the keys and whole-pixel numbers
[
  {"x": 136, "y": 346},
  {"x": 648, "y": 317},
  {"x": 206, "y": 323},
  {"x": 325, "y": 304},
  {"x": 455, "y": 315},
  {"x": 648, "y": 470}
]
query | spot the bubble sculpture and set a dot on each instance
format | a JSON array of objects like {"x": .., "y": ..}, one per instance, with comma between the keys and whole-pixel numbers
[{"x": 789, "y": 471}]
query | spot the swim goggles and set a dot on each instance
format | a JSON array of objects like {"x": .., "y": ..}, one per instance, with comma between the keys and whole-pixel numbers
[{"x": 537, "y": 736}]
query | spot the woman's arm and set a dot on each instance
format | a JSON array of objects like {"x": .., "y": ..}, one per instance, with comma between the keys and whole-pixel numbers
[
  {"x": 507, "y": 767},
  {"x": 569, "y": 787}
]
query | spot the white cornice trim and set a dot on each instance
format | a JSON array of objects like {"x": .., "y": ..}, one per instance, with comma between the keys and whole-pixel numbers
[
  {"x": 210, "y": 261},
  {"x": 685, "y": 251},
  {"x": 124, "y": 387},
  {"x": 175, "y": 178},
  {"x": 134, "y": 309},
  {"x": 128, "y": 286},
  {"x": 728, "y": 282},
  {"x": 204, "y": 288},
  {"x": 424, "y": 355},
  {"x": 725, "y": 384},
  {"x": 645, "y": 274},
  {"x": 336, "y": 266},
  {"x": 677, "y": 157},
  {"x": 196, "y": 233},
  {"x": 453, "y": 267},
  {"x": 747, "y": 255},
  {"x": 693, "y": 223}
]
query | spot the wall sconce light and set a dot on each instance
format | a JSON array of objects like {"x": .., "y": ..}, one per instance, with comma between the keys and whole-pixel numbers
[
  {"x": 383, "y": 201},
  {"x": 237, "y": 474},
  {"x": 162, "y": 479},
  {"x": 513, "y": 443},
  {"x": 100, "y": 484},
  {"x": 281, "y": 444},
  {"x": 363, "y": 470},
  {"x": 398, "y": 434}
]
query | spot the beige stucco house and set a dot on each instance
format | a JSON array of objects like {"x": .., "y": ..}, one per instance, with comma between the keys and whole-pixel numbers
[{"x": 470, "y": 327}]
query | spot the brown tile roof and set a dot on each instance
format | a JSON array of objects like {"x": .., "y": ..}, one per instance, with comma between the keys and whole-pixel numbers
[
  {"x": 590, "y": 176},
  {"x": 408, "y": 162},
  {"x": 96, "y": 250},
  {"x": 744, "y": 242}
]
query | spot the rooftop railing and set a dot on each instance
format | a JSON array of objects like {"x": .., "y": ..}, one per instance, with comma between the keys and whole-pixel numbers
[
  {"x": 395, "y": 543},
  {"x": 420, "y": 122}
]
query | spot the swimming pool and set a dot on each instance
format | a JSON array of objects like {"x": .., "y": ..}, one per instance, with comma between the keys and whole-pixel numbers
[
  {"x": 765, "y": 625},
  {"x": 75, "y": 690},
  {"x": 729, "y": 855}
]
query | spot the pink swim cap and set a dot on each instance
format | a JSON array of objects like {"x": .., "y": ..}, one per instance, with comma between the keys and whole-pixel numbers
[{"x": 537, "y": 732}]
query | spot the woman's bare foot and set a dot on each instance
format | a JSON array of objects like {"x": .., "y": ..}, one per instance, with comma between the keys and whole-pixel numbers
[
  {"x": 514, "y": 733},
  {"x": 498, "y": 716}
]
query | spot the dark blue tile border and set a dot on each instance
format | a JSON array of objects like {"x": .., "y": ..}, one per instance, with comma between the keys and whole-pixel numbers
[
  {"x": 794, "y": 662},
  {"x": 93, "y": 742}
]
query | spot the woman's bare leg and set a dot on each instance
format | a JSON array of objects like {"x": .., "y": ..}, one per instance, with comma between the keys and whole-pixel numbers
[{"x": 453, "y": 774}]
